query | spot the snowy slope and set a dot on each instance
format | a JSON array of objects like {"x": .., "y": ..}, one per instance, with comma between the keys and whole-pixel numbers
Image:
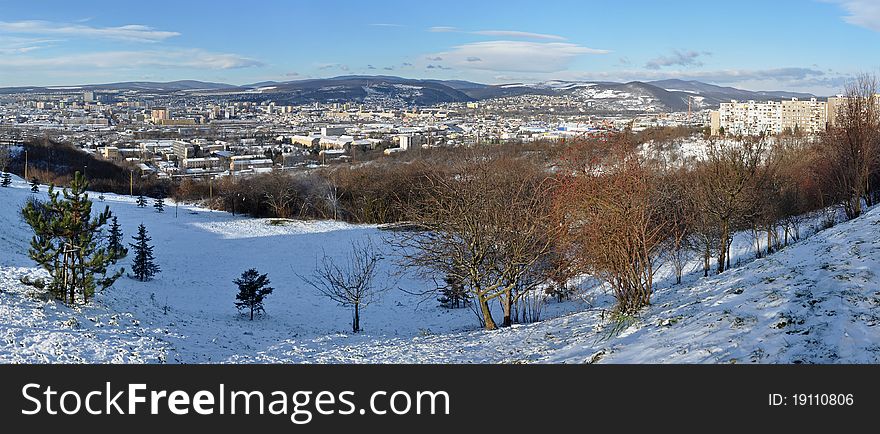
[
  {"x": 200, "y": 253},
  {"x": 814, "y": 302}
]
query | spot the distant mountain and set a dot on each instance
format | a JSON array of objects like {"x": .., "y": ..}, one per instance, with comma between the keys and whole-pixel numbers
[
  {"x": 355, "y": 88},
  {"x": 390, "y": 91},
  {"x": 663, "y": 95},
  {"x": 141, "y": 86},
  {"x": 717, "y": 94},
  {"x": 598, "y": 96}
]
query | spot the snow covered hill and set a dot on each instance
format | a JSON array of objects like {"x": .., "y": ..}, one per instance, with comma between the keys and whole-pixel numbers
[
  {"x": 187, "y": 314},
  {"x": 814, "y": 302}
]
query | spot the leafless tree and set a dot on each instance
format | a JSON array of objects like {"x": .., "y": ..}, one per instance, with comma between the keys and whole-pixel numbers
[
  {"x": 351, "y": 281},
  {"x": 853, "y": 145},
  {"x": 724, "y": 186},
  {"x": 280, "y": 194},
  {"x": 615, "y": 220},
  {"x": 680, "y": 210},
  {"x": 332, "y": 199},
  {"x": 484, "y": 222}
]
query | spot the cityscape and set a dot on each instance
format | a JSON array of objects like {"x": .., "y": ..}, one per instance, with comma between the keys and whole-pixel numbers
[{"x": 469, "y": 183}]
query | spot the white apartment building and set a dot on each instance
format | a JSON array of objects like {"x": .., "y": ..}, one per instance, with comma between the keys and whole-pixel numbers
[{"x": 772, "y": 117}]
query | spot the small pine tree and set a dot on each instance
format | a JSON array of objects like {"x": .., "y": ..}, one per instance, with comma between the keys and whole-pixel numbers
[
  {"x": 114, "y": 241},
  {"x": 35, "y": 185},
  {"x": 143, "y": 267},
  {"x": 453, "y": 295},
  {"x": 159, "y": 204},
  {"x": 101, "y": 197},
  {"x": 141, "y": 201},
  {"x": 67, "y": 244},
  {"x": 6, "y": 179},
  {"x": 252, "y": 288}
]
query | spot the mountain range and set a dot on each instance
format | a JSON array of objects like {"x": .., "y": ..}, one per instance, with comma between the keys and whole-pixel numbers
[{"x": 662, "y": 95}]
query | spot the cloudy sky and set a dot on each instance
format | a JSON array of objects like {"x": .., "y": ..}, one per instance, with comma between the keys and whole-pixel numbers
[{"x": 804, "y": 45}]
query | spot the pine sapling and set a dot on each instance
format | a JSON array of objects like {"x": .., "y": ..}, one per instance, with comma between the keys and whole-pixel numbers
[
  {"x": 252, "y": 288},
  {"x": 144, "y": 267}
]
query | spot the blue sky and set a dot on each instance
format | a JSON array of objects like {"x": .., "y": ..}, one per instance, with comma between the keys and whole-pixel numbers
[{"x": 806, "y": 45}]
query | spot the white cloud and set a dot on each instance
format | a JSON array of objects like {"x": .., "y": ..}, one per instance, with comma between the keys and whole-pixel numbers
[
  {"x": 442, "y": 29},
  {"x": 515, "y": 56},
  {"x": 677, "y": 58},
  {"x": 864, "y": 13},
  {"x": 499, "y": 33},
  {"x": 131, "y": 32},
  {"x": 326, "y": 66},
  {"x": 12, "y": 45},
  {"x": 171, "y": 58},
  {"x": 386, "y": 25},
  {"x": 518, "y": 34}
]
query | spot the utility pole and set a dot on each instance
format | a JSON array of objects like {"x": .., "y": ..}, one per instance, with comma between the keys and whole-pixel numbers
[
  {"x": 131, "y": 183},
  {"x": 25, "y": 165}
]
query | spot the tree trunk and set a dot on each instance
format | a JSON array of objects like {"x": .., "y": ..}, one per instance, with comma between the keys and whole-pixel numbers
[
  {"x": 722, "y": 249},
  {"x": 508, "y": 307},
  {"x": 356, "y": 321},
  {"x": 706, "y": 257},
  {"x": 487, "y": 314},
  {"x": 729, "y": 247}
]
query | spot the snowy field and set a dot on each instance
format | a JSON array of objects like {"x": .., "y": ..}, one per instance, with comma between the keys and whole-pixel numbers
[{"x": 817, "y": 301}]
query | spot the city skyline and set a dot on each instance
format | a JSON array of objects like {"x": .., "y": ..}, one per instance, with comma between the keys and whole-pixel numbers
[{"x": 488, "y": 42}]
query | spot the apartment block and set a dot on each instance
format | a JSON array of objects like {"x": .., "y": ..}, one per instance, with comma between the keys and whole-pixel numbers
[{"x": 772, "y": 117}]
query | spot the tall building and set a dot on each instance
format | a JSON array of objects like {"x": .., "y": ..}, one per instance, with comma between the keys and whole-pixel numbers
[
  {"x": 160, "y": 114},
  {"x": 836, "y": 103},
  {"x": 772, "y": 117},
  {"x": 88, "y": 96}
]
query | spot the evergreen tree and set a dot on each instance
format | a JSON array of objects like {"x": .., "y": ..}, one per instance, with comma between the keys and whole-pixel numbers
[
  {"x": 252, "y": 288},
  {"x": 159, "y": 204},
  {"x": 143, "y": 267},
  {"x": 35, "y": 185},
  {"x": 453, "y": 295},
  {"x": 114, "y": 241},
  {"x": 6, "y": 179},
  {"x": 141, "y": 201},
  {"x": 66, "y": 241}
]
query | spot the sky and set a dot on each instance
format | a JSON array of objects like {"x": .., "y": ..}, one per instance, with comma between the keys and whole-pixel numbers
[{"x": 798, "y": 45}]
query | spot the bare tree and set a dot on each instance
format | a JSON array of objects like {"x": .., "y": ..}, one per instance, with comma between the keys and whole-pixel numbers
[
  {"x": 680, "y": 211},
  {"x": 280, "y": 194},
  {"x": 615, "y": 221},
  {"x": 723, "y": 188},
  {"x": 484, "y": 223},
  {"x": 853, "y": 146},
  {"x": 350, "y": 282},
  {"x": 332, "y": 198}
]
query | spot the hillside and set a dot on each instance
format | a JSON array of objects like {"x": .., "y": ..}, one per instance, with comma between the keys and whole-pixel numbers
[
  {"x": 714, "y": 95},
  {"x": 814, "y": 302},
  {"x": 635, "y": 96}
]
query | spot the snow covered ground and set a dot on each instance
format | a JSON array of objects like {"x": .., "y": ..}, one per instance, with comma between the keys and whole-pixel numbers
[{"x": 817, "y": 301}]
